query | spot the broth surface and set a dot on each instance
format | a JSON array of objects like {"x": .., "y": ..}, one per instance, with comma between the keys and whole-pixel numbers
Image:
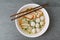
[{"x": 32, "y": 23}]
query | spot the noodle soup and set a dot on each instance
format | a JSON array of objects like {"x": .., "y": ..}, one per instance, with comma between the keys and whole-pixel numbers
[{"x": 32, "y": 23}]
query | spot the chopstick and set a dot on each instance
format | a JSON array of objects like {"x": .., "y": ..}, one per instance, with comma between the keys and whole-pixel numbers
[
  {"x": 24, "y": 11},
  {"x": 29, "y": 11},
  {"x": 24, "y": 14}
]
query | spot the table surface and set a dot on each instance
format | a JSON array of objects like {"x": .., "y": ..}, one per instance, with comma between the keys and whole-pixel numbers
[{"x": 8, "y": 30}]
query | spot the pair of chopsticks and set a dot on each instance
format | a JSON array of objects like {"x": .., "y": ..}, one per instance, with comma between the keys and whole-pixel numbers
[{"x": 27, "y": 12}]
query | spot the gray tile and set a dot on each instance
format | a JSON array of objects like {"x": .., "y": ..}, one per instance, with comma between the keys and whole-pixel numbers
[{"x": 8, "y": 30}]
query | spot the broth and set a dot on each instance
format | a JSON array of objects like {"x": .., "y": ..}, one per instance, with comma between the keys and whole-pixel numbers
[{"x": 32, "y": 23}]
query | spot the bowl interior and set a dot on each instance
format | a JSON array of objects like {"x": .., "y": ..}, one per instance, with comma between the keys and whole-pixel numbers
[{"x": 46, "y": 20}]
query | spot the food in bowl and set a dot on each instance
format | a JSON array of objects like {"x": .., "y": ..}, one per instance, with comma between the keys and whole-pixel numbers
[{"x": 32, "y": 23}]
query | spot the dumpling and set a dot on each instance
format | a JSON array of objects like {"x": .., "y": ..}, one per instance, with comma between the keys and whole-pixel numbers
[
  {"x": 37, "y": 20},
  {"x": 41, "y": 23},
  {"x": 32, "y": 23},
  {"x": 42, "y": 18},
  {"x": 33, "y": 30},
  {"x": 37, "y": 30},
  {"x": 37, "y": 25}
]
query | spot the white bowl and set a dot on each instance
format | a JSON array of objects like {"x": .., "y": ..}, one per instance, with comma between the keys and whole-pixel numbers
[{"x": 46, "y": 20}]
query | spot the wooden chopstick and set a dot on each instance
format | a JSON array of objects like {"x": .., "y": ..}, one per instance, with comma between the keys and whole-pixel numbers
[
  {"x": 23, "y": 15},
  {"x": 34, "y": 9},
  {"x": 28, "y": 10},
  {"x": 24, "y": 11}
]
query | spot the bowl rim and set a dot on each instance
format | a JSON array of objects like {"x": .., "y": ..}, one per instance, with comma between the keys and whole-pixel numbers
[{"x": 42, "y": 29}]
